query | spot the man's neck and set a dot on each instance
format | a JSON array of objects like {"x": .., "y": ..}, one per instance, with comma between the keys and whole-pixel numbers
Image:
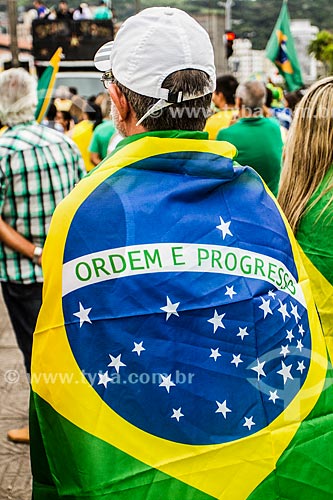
[{"x": 245, "y": 112}]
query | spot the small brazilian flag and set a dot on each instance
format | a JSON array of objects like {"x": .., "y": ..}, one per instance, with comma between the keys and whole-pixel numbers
[
  {"x": 46, "y": 84},
  {"x": 281, "y": 51},
  {"x": 178, "y": 354}
]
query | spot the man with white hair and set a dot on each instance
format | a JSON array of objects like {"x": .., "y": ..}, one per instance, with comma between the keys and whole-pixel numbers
[
  {"x": 169, "y": 284},
  {"x": 258, "y": 139},
  {"x": 38, "y": 167}
]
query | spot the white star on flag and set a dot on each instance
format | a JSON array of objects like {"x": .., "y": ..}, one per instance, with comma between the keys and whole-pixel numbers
[
  {"x": 116, "y": 362},
  {"x": 284, "y": 350},
  {"x": 215, "y": 354},
  {"x": 283, "y": 310},
  {"x": 224, "y": 228},
  {"x": 242, "y": 332},
  {"x": 138, "y": 348},
  {"x": 273, "y": 396},
  {"x": 166, "y": 382},
  {"x": 259, "y": 369},
  {"x": 83, "y": 314},
  {"x": 285, "y": 372},
  {"x": 177, "y": 414},
  {"x": 271, "y": 294},
  {"x": 217, "y": 320},
  {"x": 249, "y": 422},
  {"x": 289, "y": 335},
  {"x": 236, "y": 360},
  {"x": 299, "y": 345},
  {"x": 301, "y": 330},
  {"x": 230, "y": 291},
  {"x": 170, "y": 308},
  {"x": 104, "y": 379},
  {"x": 265, "y": 307},
  {"x": 294, "y": 312},
  {"x": 301, "y": 367},
  {"x": 222, "y": 408}
]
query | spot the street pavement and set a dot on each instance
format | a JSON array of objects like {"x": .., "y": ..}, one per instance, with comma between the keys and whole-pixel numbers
[{"x": 15, "y": 475}]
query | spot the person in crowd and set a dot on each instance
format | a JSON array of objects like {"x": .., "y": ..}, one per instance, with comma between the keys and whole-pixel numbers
[
  {"x": 50, "y": 119},
  {"x": 269, "y": 112},
  {"x": 41, "y": 9},
  {"x": 224, "y": 107},
  {"x": 82, "y": 12},
  {"x": 306, "y": 190},
  {"x": 103, "y": 12},
  {"x": 103, "y": 132},
  {"x": 77, "y": 108},
  {"x": 285, "y": 114},
  {"x": 277, "y": 92},
  {"x": 165, "y": 260},
  {"x": 73, "y": 91},
  {"x": 82, "y": 132},
  {"x": 64, "y": 120},
  {"x": 62, "y": 98},
  {"x": 38, "y": 167},
  {"x": 63, "y": 11},
  {"x": 257, "y": 139},
  {"x": 291, "y": 99}
]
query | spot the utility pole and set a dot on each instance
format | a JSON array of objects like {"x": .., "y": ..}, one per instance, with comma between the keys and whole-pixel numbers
[
  {"x": 137, "y": 6},
  {"x": 226, "y": 5},
  {"x": 12, "y": 14},
  {"x": 227, "y": 15}
]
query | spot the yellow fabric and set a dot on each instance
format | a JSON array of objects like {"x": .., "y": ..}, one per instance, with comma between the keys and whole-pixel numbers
[
  {"x": 219, "y": 120},
  {"x": 81, "y": 134}
]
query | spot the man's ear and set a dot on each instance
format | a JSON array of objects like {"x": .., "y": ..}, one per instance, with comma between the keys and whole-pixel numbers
[{"x": 119, "y": 101}]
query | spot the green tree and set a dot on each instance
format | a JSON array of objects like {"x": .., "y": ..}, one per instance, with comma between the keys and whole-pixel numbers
[{"x": 322, "y": 49}]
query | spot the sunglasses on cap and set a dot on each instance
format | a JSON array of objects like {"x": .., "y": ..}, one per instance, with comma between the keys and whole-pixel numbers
[{"x": 107, "y": 79}]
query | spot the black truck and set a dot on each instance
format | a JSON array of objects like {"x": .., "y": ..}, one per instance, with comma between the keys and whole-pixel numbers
[{"x": 78, "y": 39}]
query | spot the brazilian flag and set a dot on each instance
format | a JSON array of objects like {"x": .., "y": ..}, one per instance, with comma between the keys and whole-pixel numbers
[
  {"x": 281, "y": 51},
  {"x": 46, "y": 84},
  {"x": 178, "y": 353}
]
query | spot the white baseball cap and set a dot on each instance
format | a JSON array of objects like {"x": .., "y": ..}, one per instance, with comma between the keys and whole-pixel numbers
[{"x": 153, "y": 44}]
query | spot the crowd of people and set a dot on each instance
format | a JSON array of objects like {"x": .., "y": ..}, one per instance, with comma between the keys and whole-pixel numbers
[
  {"x": 162, "y": 183},
  {"x": 64, "y": 12},
  {"x": 86, "y": 121}
]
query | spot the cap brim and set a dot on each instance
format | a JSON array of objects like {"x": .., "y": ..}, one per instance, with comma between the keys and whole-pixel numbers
[{"x": 102, "y": 59}]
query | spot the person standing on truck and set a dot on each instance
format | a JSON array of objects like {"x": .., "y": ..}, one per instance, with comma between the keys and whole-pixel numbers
[
  {"x": 63, "y": 11},
  {"x": 42, "y": 10},
  {"x": 82, "y": 12},
  {"x": 103, "y": 12}
]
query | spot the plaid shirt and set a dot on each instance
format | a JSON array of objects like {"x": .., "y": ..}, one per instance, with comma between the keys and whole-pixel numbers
[{"x": 38, "y": 168}]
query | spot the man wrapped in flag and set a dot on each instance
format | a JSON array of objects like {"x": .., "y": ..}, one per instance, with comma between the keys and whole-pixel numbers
[{"x": 178, "y": 353}]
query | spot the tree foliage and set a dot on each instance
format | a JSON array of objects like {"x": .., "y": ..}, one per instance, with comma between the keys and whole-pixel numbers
[
  {"x": 322, "y": 49},
  {"x": 254, "y": 19}
]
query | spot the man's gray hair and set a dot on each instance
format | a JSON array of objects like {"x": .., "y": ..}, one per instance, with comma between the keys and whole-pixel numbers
[
  {"x": 188, "y": 115},
  {"x": 18, "y": 97},
  {"x": 252, "y": 94}
]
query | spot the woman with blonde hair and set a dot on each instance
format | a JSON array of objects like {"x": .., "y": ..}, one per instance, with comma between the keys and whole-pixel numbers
[{"x": 306, "y": 187}]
